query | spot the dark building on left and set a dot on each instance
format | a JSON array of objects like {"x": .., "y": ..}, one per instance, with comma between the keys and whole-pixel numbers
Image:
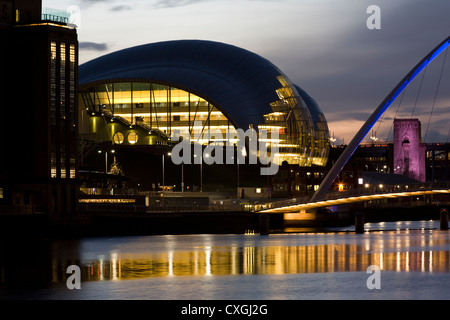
[{"x": 38, "y": 98}]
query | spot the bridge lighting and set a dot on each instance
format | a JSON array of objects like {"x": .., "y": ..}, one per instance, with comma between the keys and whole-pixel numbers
[
  {"x": 341, "y": 187},
  {"x": 374, "y": 137}
]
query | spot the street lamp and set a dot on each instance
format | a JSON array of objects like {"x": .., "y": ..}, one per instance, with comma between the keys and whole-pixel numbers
[
  {"x": 106, "y": 158},
  {"x": 244, "y": 154},
  {"x": 169, "y": 154},
  {"x": 201, "y": 170},
  {"x": 201, "y": 173},
  {"x": 182, "y": 177}
]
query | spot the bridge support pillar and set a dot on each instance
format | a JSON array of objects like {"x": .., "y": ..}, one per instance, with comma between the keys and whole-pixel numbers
[
  {"x": 264, "y": 224},
  {"x": 359, "y": 222},
  {"x": 444, "y": 219}
]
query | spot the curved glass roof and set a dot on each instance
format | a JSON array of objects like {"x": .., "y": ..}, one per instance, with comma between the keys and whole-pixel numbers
[
  {"x": 246, "y": 87},
  {"x": 241, "y": 82}
]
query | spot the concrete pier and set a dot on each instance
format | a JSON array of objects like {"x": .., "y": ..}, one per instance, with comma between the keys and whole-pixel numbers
[
  {"x": 359, "y": 222},
  {"x": 444, "y": 219},
  {"x": 264, "y": 224}
]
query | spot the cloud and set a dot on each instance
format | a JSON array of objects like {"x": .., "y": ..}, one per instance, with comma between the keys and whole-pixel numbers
[
  {"x": 121, "y": 8},
  {"x": 180, "y": 3},
  {"x": 174, "y": 3},
  {"x": 352, "y": 69},
  {"x": 87, "y": 3},
  {"x": 94, "y": 46}
]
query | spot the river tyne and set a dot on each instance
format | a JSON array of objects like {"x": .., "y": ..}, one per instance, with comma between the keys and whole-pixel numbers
[{"x": 413, "y": 259}]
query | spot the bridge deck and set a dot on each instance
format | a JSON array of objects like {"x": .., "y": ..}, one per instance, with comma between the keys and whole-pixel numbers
[{"x": 362, "y": 195}]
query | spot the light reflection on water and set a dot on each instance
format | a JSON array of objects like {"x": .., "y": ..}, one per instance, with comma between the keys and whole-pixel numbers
[
  {"x": 406, "y": 247},
  {"x": 422, "y": 250}
]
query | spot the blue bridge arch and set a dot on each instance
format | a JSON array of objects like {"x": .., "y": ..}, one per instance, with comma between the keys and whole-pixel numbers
[{"x": 367, "y": 126}]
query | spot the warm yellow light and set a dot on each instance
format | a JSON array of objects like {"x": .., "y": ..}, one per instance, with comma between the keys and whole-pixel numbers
[{"x": 341, "y": 187}]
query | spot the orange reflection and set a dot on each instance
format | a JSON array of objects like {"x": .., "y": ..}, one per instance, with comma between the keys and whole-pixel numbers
[{"x": 400, "y": 253}]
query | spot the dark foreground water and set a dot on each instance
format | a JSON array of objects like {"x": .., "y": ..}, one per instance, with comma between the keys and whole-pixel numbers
[{"x": 413, "y": 259}]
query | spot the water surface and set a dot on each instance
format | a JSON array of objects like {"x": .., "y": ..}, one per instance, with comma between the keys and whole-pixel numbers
[{"x": 414, "y": 259}]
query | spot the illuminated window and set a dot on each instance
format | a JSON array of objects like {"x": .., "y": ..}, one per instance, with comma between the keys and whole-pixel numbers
[
  {"x": 1, "y": 193},
  {"x": 132, "y": 137},
  {"x": 72, "y": 168},
  {"x": 166, "y": 109},
  {"x": 118, "y": 138},
  {"x": 17, "y": 15},
  {"x": 63, "y": 52},
  {"x": 53, "y": 50},
  {"x": 72, "y": 53},
  {"x": 63, "y": 163},
  {"x": 53, "y": 171},
  {"x": 258, "y": 190}
]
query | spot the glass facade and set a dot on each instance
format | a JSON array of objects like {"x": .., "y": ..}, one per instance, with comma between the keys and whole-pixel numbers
[
  {"x": 62, "y": 110},
  {"x": 155, "y": 107},
  {"x": 294, "y": 126},
  {"x": 133, "y": 111},
  {"x": 172, "y": 85}
]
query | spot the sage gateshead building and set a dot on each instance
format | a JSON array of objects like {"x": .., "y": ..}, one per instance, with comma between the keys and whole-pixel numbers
[{"x": 142, "y": 95}]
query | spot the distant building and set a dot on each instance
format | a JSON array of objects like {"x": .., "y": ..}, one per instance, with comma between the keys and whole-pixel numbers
[
  {"x": 39, "y": 132},
  {"x": 438, "y": 161},
  {"x": 409, "y": 152},
  {"x": 404, "y": 161}
]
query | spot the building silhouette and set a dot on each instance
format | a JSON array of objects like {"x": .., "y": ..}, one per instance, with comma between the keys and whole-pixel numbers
[{"x": 39, "y": 131}]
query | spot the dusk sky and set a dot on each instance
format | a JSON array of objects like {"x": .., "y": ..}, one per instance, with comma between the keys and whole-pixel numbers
[{"x": 324, "y": 46}]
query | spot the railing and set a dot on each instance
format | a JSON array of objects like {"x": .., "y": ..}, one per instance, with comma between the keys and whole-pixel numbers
[
  {"x": 382, "y": 189},
  {"x": 371, "y": 190},
  {"x": 54, "y": 15},
  {"x": 128, "y": 208}
]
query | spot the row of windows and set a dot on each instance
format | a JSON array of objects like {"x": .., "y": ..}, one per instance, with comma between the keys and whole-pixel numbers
[
  {"x": 168, "y": 109},
  {"x": 62, "y": 110},
  {"x": 295, "y": 187}
]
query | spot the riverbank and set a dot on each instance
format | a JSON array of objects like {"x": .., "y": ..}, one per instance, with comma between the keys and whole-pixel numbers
[{"x": 94, "y": 224}]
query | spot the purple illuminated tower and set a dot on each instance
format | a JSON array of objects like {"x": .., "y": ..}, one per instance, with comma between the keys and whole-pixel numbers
[{"x": 409, "y": 152}]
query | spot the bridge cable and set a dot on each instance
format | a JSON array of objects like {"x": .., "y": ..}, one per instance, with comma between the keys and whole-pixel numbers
[
  {"x": 415, "y": 103},
  {"x": 396, "y": 113},
  {"x": 435, "y": 95},
  {"x": 418, "y": 92},
  {"x": 384, "y": 114}
]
